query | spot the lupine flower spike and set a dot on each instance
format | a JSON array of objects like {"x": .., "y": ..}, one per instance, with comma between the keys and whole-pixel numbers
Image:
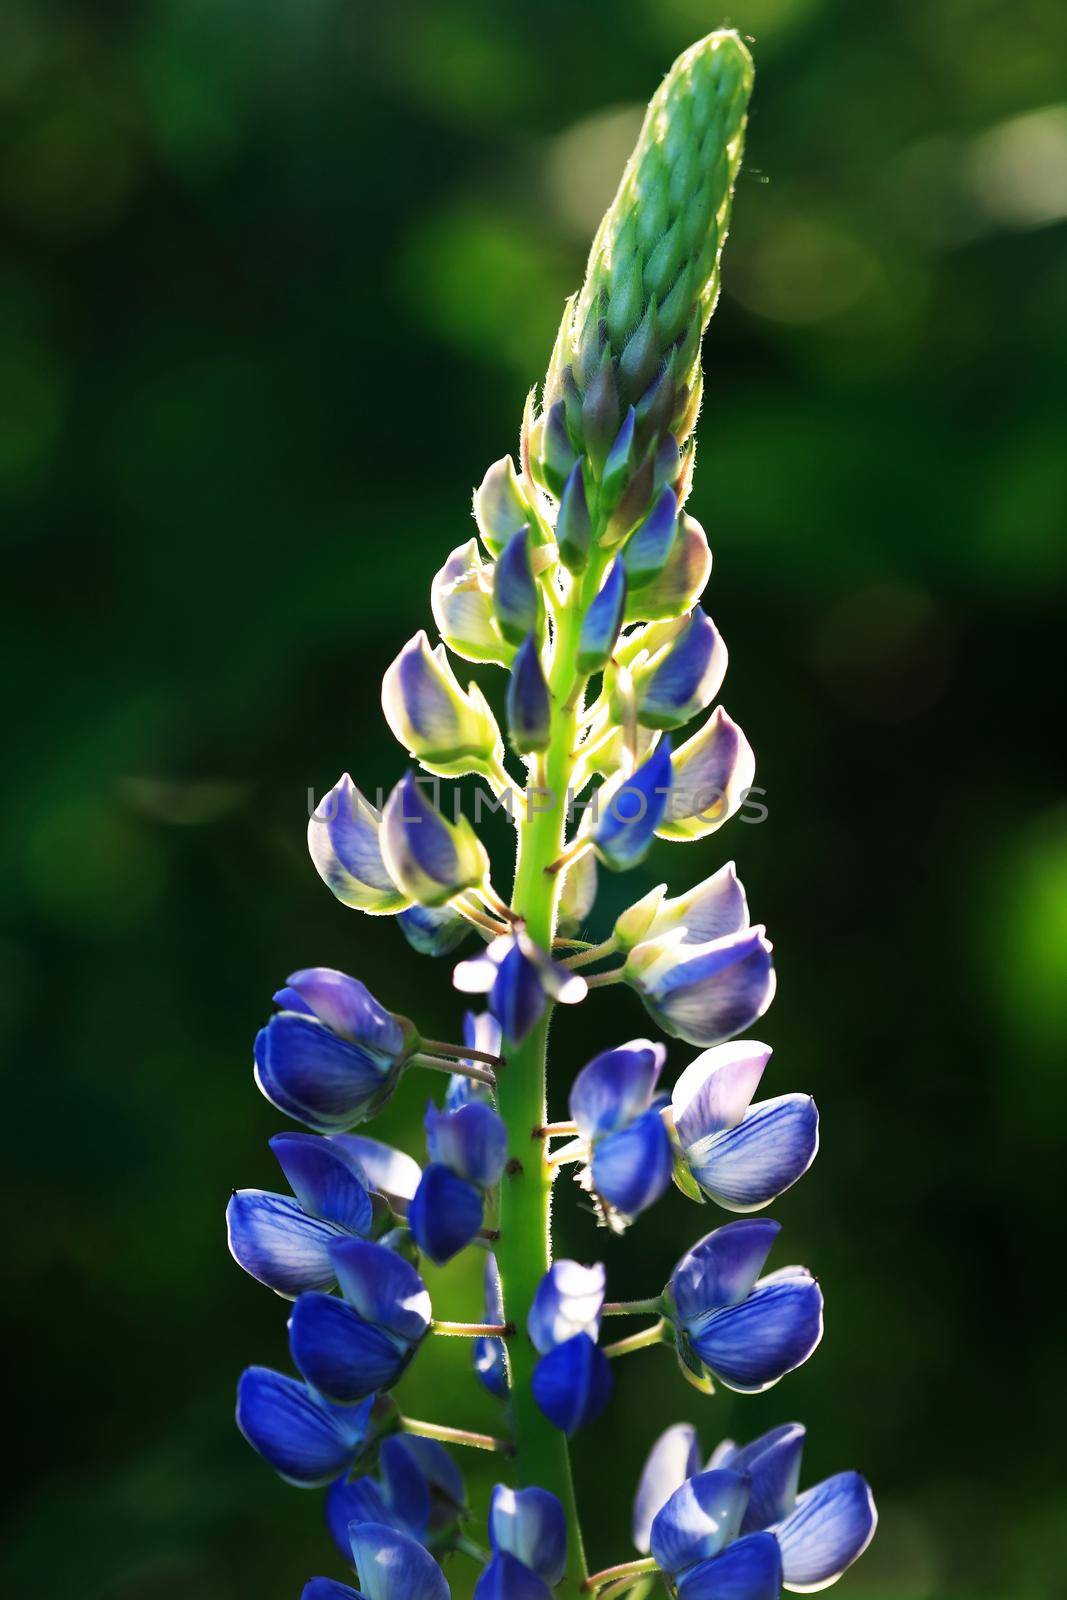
[{"x": 583, "y": 583}]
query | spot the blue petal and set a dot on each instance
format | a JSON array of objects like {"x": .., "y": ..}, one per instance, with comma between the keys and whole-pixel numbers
[
  {"x": 715, "y": 1090},
  {"x": 448, "y": 1496},
  {"x": 306, "y": 1440},
  {"x": 715, "y": 990},
  {"x": 273, "y": 1240},
  {"x": 313, "y": 1075},
  {"x": 383, "y": 1287},
  {"x": 405, "y": 1487},
  {"x": 567, "y": 1301},
  {"x": 481, "y": 1032},
  {"x": 615, "y": 1087},
  {"x": 326, "y": 1589},
  {"x": 339, "y": 1354},
  {"x": 833, "y": 1524},
  {"x": 674, "y": 1457},
  {"x": 343, "y": 843},
  {"x": 721, "y": 1268},
  {"x": 505, "y": 1578},
  {"x": 628, "y": 820},
  {"x": 750, "y": 1165},
  {"x": 712, "y": 909},
  {"x": 420, "y": 845},
  {"x": 446, "y": 1213},
  {"x": 348, "y": 1007},
  {"x": 529, "y": 703},
  {"x": 517, "y": 998},
  {"x": 386, "y": 1170},
  {"x": 392, "y": 1567},
  {"x": 324, "y": 1179},
  {"x": 773, "y": 1463},
  {"x": 516, "y": 601},
  {"x": 602, "y": 621},
  {"x": 489, "y": 1356},
  {"x": 573, "y": 1383},
  {"x": 472, "y": 1141},
  {"x": 751, "y": 1345},
  {"x": 433, "y": 930},
  {"x": 700, "y": 1517},
  {"x": 750, "y": 1569},
  {"x": 649, "y": 546},
  {"x": 632, "y": 1168},
  {"x": 359, "y": 1501},
  {"x": 530, "y": 1524},
  {"x": 684, "y": 677}
]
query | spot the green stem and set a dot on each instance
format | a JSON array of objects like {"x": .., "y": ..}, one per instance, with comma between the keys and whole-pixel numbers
[
  {"x": 525, "y": 1249},
  {"x": 438, "y": 1431},
  {"x": 637, "y": 1341},
  {"x": 624, "y": 1571},
  {"x": 632, "y": 1308}
]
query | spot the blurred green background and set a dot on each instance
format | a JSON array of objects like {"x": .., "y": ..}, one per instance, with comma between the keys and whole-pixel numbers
[{"x": 277, "y": 279}]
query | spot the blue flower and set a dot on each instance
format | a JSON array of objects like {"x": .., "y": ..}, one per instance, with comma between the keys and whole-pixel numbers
[
  {"x": 733, "y": 1325},
  {"x": 327, "y": 1589},
  {"x": 505, "y": 1578},
  {"x": 530, "y": 1525},
  {"x": 343, "y": 843},
  {"x": 285, "y": 1242},
  {"x": 448, "y": 731},
  {"x": 468, "y": 1148},
  {"x": 572, "y": 1382},
  {"x": 307, "y": 1440},
  {"x": 711, "y": 909},
  {"x": 711, "y": 774},
  {"x": 740, "y": 1155},
  {"x": 678, "y": 671},
  {"x": 388, "y": 1172},
  {"x": 602, "y": 621},
  {"x": 748, "y": 1569},
  {"x": 699, "y": 1519},
  {"x": 461, "y": 597},
  {"x": 519, "y": 979},
  {"x": 332, "y": 1056},
  {"x": 529, "y": 701},
  {"x": 433, "y": 930},
  {"x": 431, "y": 858},
  {"x": 649, "y": 546},
  {"x": 348, "y": 1349},
  {"x": 626, "y": 1146},
  {"x": 819, "y": 1533},
  {"x": 489, "y": 1355},
  {"x": 630, "y": 810},
  {"x": 704, "y": 993},
  {"x": 418, "y": 1490}
]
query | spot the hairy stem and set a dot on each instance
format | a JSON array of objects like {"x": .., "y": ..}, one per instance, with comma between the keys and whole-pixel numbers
[{"x": 525, "y": 1249}]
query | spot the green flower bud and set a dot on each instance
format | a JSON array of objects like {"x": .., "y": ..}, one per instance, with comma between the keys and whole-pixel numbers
[
  {"x": 500, "y": 506},
  {"x": 462, "y": 599},
  {"x": 632, "y": 336}
]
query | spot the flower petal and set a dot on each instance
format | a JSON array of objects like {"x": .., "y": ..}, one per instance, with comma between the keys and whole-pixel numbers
[
  {"x": 383, "y": 1288},
  {"x": 433, "y": 930},
  {"x": 343, "y": 844},
  {"x": 631, "y": 809},
  {"x": 388, "y": 1171},
  {"x": 278, "y": 1244},
  {"x": 347, "y": 1007},
  {"x": 324, "y": 1179},
  {"x": 632, "y": 1168},
  {"x": 505, "y": 1578},
  {"x": 715, "y": 1090},
  {"x": 748, "y": 1166},
  {"x": 448, "y": 1495},
  {"x": 773, "y": 1463},
  {"x": 472, "y": 1140},
  {"x": 446, "y": 1213},
  {"x": 573, "y": 1383},
  {"x": 721, "y": 1268},
  {"x": 342, "y": 1356},
  {"x": 751, "y": 1345},
  {"x": 710, "y": 910},
  {"x": 706, "y": 993},
  {"x": 615, "y": 1087},
  {"x": 393, "y": 1567},
  {"x": 359, "y": 1501},
  {"x": 327, "y": 1589},
  {"x": 316, "y": 1077},
  {"x": 306, "y": 1440},
  {"x": 701, "y": 1516},
  {"x": 833, "y": 1524},
  {"x": 567, "y": 1301},
  {"x": 674, "y": 1457},
  {"x": 712, "y": 773},
  {"x": 749, "y": 1569},
  {"x": 530, "y": 1525},
  {"x": 405, "y": 1487}
]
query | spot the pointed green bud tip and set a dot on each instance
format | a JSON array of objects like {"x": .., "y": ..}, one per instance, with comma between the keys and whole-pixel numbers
[
  {"x": 631, "y": 338},
  {"x": 500, "y": 506}
]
